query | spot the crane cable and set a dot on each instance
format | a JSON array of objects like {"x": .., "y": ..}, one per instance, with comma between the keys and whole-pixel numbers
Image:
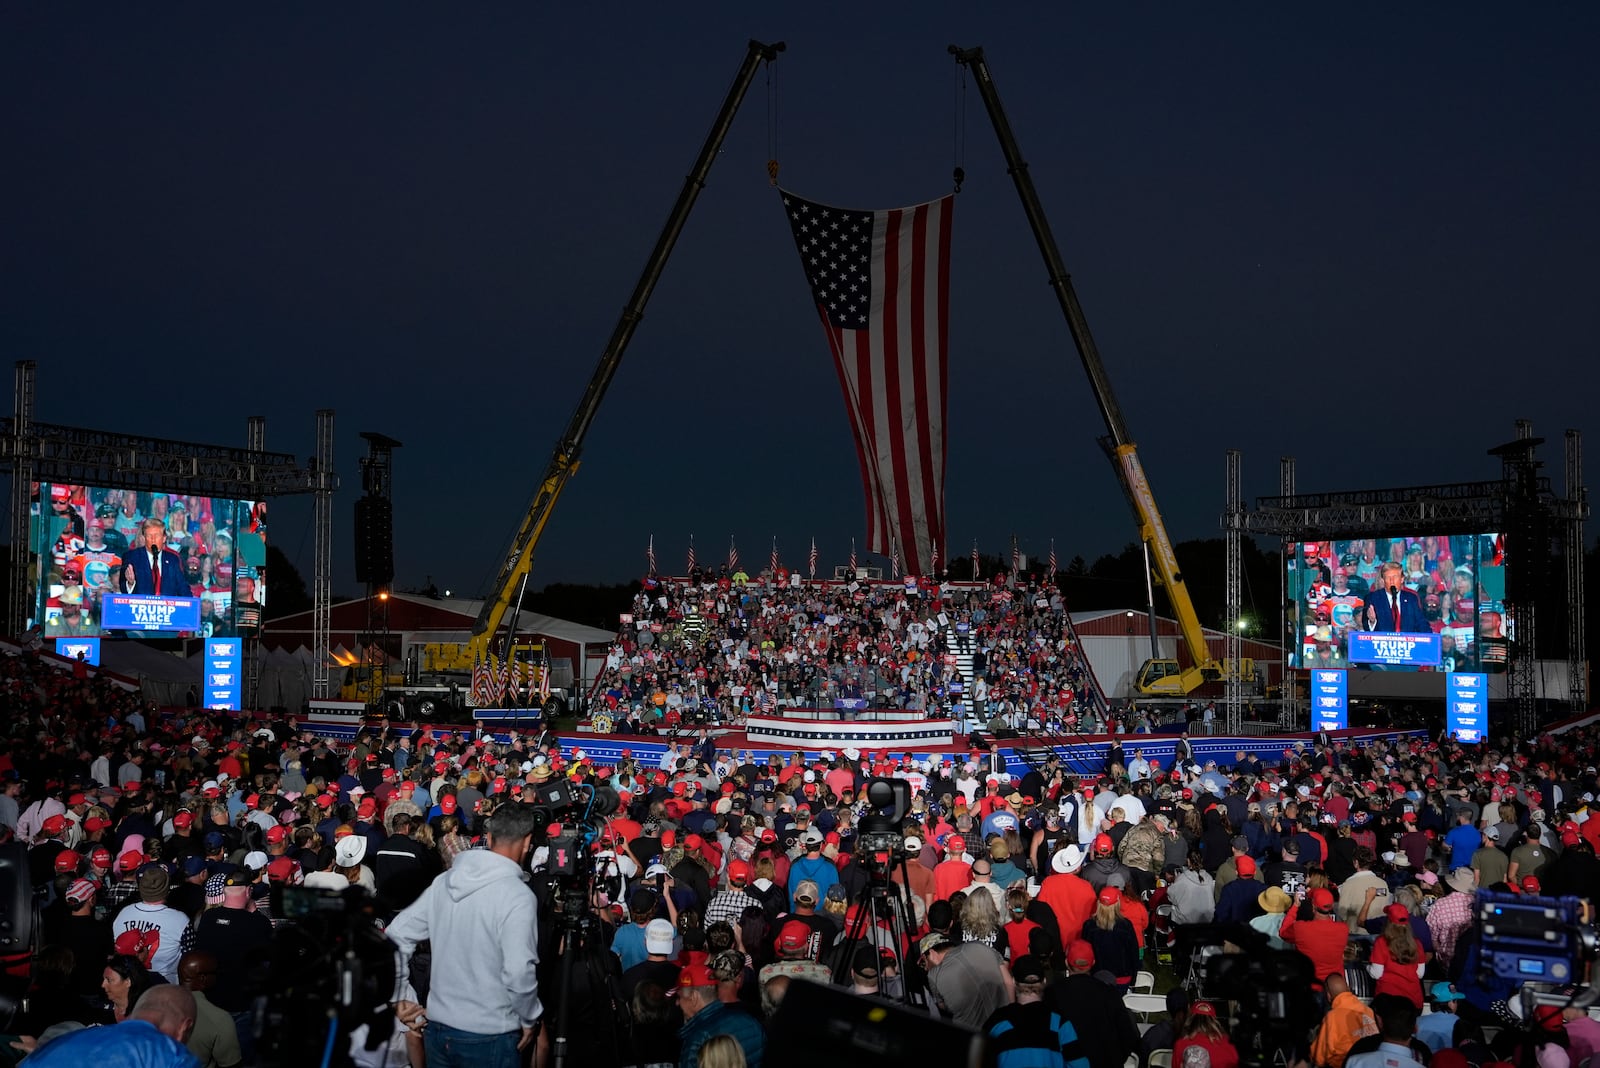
[
  {"x": 958, "y": 127},
  {"x": 772, "y": 126}
]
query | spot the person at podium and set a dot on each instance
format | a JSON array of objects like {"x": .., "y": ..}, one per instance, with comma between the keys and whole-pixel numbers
[{"x": 152, "y": 569}]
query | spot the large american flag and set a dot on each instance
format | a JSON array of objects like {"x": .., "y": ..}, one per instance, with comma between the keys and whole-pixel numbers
[{"x": 881, "y": 282}]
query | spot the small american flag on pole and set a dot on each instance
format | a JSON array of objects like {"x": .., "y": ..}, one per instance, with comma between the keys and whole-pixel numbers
[
  {"x": 774, "y": 562},
  {"x": 813, "y": 558},
  {"x": 852, "y": 558},
  {"x": 975, "y": 568},
  {"x": 933, "y": 561},
  {"x": 1052, "y": 568},
  {"x": 1016, "y": 555},
  {"x": 733, "y": 554},
  {"x": 690, "y": 566},
  {"x": 544, "y": 678},
  {"x": 894, "y": 560},
  {"x": 650, "y": 555}
]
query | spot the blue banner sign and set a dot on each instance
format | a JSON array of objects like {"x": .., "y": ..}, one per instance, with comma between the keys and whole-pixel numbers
[
  {"x": 1330, "y": 699},
  {"x": 1397, "y": 650},
  {"x": 1466, "y": 712},
  {"x": 132, "y": 611},
  {"x": 222, "y": 685},
  {"x": 85, "y": 649}
]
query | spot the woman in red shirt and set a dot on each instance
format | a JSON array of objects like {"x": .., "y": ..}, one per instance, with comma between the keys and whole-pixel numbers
[
  {"x": 1205, "y": 1030},
  {"x": 1397, "y": 959}
]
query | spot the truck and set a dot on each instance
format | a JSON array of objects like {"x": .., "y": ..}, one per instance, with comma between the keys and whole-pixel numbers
[
  {"x": 1157, "y": 677},
  {"x": 436, "y": 678}
]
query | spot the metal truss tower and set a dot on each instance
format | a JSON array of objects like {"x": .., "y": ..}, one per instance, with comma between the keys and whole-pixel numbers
[
  {"x": 323, "y": 483},
  {"x": 1288, "y": 693},
  {"x": 1233, "y": 525},
  {"x": 1577, "y": 512}
]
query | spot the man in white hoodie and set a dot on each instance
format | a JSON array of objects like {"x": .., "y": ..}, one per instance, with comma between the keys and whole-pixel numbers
[{"x": 483, "y": 997}]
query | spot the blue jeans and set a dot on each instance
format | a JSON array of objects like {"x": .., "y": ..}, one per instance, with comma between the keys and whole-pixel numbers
[
  {"x": 245, "y": 1023},
  {"x": 449, "y": 1048}
]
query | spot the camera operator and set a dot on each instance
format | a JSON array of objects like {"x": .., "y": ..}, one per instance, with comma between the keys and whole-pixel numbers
[{"x": 483, "y": 999}]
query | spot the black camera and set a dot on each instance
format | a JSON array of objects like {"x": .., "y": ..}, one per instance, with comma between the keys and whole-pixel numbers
[
  {"x": 1271, "y": 988},
  {"x": 329, "y": 958}
]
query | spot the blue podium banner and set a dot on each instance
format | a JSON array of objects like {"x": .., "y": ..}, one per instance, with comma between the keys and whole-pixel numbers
[
  {"x": 1466, "y": 713},
  {"x": 131, "y": 611},
  {"x": 85, "y": 649},
  {"x": 1330, "y": 699},
  {"x": 1395, "y": 650},
  {"x": 221, "y": 685}
]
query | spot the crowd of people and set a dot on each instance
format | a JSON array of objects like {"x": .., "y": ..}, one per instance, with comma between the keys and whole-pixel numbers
[
  {"x": 717, "y": 648},
  {"x": 1030, "y": 901}
]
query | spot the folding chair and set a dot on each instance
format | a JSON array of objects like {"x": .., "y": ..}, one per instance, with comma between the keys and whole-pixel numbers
[
  {"x": 1143, "y": 983},
  {"x": 1165, "y": 937},
  {"x": 1160, "y": 1058},
  {"x": 1145, "y": 1006}
]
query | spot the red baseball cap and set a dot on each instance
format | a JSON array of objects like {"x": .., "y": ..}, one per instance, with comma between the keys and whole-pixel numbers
[
  {"x": 1397, "y": 914},
  {"x": 447, "y": 804},
  {"x": 276, "y": 834},
  {"x": 1080, "y": 954},
  {"x": 1322, "y": 899},
  {"x": 184, "y": 818},
  {"x": 738, "y": 872},
  {"x": 101, "y": 858},
  {"x": 55, "y": 824},
  {"x": 96, "y": 823},
  {"x": 1245, "y": 866},
  {"x": 792, "y": 936},
  {"x": 1109, "y": 896},
  {"x": 695, "y": 975},
  {"x": 67, "y": 860}
]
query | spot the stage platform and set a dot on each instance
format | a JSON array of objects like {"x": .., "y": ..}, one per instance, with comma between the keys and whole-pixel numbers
[{"x": 1081, "y": 754}]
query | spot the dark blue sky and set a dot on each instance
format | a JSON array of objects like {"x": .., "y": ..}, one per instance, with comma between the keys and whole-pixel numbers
[{"x": 1362, "y": 238}]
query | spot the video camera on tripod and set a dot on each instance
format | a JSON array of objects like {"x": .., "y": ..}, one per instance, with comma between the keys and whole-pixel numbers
[
  {"x": 881, "y": 828},
  {"x": 331, "y": 971},
  {"x": 572, "y": 820}
]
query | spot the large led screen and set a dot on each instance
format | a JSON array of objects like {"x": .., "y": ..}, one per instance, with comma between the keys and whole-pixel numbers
[
  {"x": 1451, "y": 586},
  {"x": 98, "y": 571}
]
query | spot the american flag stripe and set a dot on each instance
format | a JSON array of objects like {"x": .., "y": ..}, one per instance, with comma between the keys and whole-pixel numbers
[{"x": 891, "y": 356}]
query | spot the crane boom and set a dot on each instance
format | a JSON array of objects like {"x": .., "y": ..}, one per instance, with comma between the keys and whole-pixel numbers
[
  {"x": 564, "y": 462},
  {"x": 1119, "y": 445}
]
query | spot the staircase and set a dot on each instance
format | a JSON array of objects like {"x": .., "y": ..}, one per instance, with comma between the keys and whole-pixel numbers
[{"x": 1036, "y": 745}]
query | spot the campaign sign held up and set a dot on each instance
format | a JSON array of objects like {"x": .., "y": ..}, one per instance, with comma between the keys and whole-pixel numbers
[
  {"x": 1330, "y": 700},
  {"x": 1395, "y": 650},
  {"x": 221, "y": 683},
  {"x": 132, "y": 611},
  {"x": 1466, "y": 713},
  {"x": 85, "y": 649}
]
